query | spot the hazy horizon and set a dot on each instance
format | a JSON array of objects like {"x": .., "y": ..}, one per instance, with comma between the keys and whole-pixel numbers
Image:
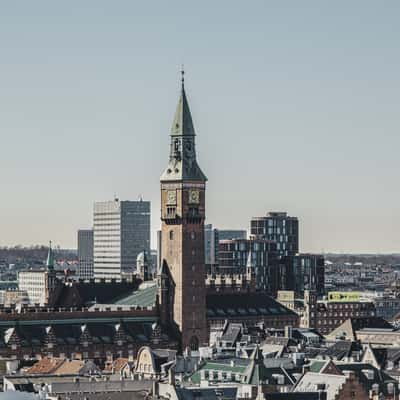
[{"x": 295, "y": 108}]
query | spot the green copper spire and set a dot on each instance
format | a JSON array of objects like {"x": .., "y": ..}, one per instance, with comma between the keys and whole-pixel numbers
[
  {"x": 182, "y": 163},
  {"x": 50, "y": 258},
  {"x": 182, "y": 124}
]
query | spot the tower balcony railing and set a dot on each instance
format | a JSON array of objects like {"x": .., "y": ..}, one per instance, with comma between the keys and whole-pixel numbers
[
  {"x": 171, "y": 216},
  {"x": 193, "y": 216}
]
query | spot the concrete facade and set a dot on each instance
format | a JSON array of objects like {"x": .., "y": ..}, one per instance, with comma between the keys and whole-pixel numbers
[
  {"x": 121, "y": 232},
  {"x": 85, "y": 254}
]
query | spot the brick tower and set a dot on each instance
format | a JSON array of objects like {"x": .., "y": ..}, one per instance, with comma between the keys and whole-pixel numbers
[{"x": 183, "y": 187}]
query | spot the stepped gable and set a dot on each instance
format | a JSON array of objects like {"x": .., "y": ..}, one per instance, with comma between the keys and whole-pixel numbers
[{"x": 377, "y": 377}]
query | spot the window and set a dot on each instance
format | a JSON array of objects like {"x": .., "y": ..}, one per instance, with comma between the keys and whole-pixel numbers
[
  {"x": 171, "y": 212},
  {"x": 171, "y": 235},
  {"x": 194, "y": 343},
  {"x": 193, "y": 212},
  {"x": 193, "y": 235}
]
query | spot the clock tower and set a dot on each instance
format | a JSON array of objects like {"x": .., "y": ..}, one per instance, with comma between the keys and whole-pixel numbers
[{"x": 183, "y": 187}]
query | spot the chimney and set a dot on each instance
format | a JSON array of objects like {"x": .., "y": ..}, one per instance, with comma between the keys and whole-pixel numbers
[
  {"x": 306, "y": 368},
  {"x": 288, "y": 331},
  {"x": 156, "y": 389},
  {"x": 171, "y": 376}
]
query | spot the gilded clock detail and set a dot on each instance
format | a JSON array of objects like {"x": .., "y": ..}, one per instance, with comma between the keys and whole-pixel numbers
[
  {"x": 171, "y": 197},
  {"x": 194, "y": 196}
]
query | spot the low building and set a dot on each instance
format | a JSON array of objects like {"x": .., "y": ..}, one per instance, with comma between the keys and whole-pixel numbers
[
  {"x": 13, "y": 297},
  {"x": 71, "y": 387},
  {"x": 153, "y": 364},
  {"x": 344, "y": 380},
  {"x": 249, "y": 374},
  {"x": 331, "y": 313},
  {"x": 337, "y": 387},
  {"x": 367, "y": 330},
  {"x": 249, "y": 308}
]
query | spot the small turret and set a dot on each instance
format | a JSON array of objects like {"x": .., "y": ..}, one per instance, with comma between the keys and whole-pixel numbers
[{"x": 142, "y": 266}]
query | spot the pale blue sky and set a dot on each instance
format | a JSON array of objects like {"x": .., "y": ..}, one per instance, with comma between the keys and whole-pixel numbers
[{"x": 295, "y": 103}]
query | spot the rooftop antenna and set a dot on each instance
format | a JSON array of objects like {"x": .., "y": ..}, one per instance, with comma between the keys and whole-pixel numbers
[
  {"x": 140, "y": 197},
  {"x": 115, "y": 197}
]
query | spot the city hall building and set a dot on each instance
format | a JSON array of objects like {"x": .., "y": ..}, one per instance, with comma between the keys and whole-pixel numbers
[{"x": 101, "y": 320}]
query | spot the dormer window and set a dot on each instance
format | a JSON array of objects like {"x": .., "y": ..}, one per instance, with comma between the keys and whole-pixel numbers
[{"x": 193, "y": 212}]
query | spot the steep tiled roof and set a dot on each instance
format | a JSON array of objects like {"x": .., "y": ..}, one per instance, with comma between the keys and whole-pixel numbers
[
  {"x": 342, "y": 349},
  {"x": 232, "y": 332},
  {"x": 70, "y": 367},
  {"x": 46, "y": 366},
  {"x": 116, "y": 365},
  {"x": 393, "y": 354},
  {"x": 60, "y": 366}
]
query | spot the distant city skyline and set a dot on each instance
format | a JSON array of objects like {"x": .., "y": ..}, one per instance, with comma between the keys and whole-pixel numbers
[{"x": 297, "y": 102}]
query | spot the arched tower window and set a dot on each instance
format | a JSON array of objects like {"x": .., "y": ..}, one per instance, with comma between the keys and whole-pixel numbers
[
  {"x": 194, "y": 343},
  {"x": 171, "y": 235}
]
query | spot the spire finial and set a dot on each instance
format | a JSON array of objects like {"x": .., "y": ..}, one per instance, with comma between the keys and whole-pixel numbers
[
  {"x": 49, "y": 244},
  {"x": 183, "y": 76}
]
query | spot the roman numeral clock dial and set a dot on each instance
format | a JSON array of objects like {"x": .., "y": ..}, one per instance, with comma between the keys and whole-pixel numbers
[{"x": 194, "y": 197}]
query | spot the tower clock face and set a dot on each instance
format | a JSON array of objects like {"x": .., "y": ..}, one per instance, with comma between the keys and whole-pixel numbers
[
  {"x": 171, "y": 197},
  {"x": 194, "y": 196}
]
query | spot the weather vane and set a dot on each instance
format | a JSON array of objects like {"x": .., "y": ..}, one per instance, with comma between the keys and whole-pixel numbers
[{"x": 183, "y": 75}]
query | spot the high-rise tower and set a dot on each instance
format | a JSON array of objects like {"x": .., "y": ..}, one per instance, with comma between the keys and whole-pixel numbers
[
  {"x": 183, "y": 187},
  {"x": 121, "y": 230}
]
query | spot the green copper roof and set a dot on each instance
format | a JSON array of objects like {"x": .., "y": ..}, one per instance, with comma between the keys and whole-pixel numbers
[
  {"x": 218, "y": 367},
  {"x": 182, "y": 124},
  {"x": 143, "y": 297},
  {"x": 316, "y": 366}
]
